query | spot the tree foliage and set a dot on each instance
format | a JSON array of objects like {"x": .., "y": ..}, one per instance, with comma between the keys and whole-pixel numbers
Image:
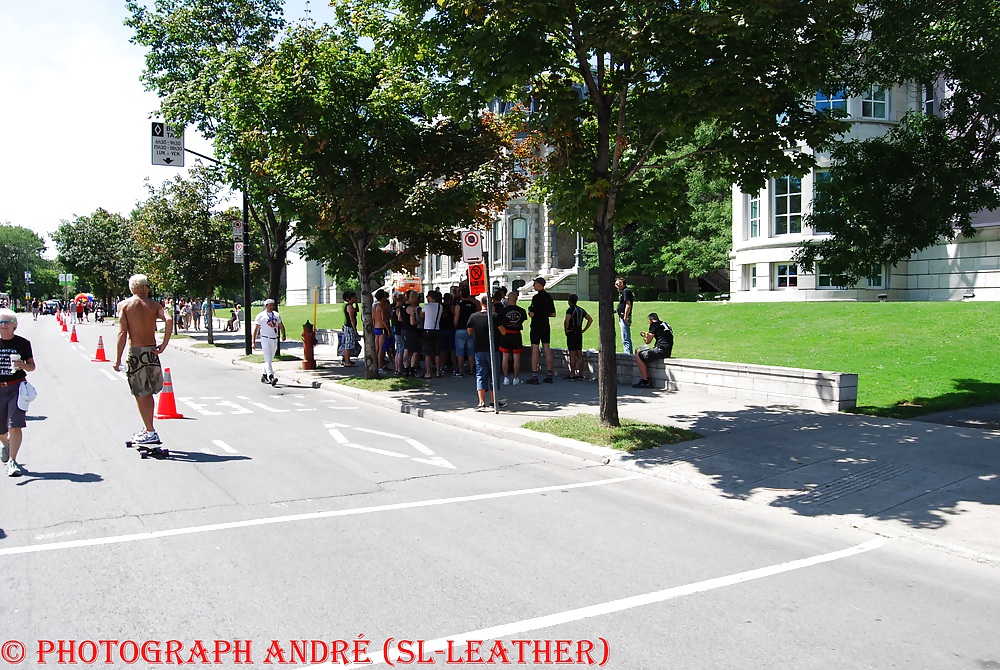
[
  {"x": 199, "y": 52},
  {"x": 891, "y": 196},
  {"x": 615, "y": 87},
  {"x": 21, "y": 250},
  {"x": 100, "y": 250},
  {"x": 342, "y": 131}
]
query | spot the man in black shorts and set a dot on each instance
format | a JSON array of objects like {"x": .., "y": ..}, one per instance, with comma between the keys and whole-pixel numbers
[
  {"x": 664, "y": 336},
  {"x": 512, "y": 318},
  {"x": 542, "y": 309}
]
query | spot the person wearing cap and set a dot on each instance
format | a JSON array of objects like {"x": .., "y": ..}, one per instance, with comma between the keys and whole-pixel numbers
[
  {"x": 541, "y": 309},
  {"x": 137, "y": 317},
  {"x": 15, "y": 360},
  {"x": 662, "y": 348},
  {"x": 267, "y": 325}
]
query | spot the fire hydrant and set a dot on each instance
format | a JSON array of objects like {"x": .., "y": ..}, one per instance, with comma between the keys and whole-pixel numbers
[{"x": 308, "y": 342}]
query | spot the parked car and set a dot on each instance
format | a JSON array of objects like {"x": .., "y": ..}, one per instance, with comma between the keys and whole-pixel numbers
[{"x": 50, "y": 306}]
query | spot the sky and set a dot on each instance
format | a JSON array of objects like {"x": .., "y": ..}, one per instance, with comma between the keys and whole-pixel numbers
[{"x": 75, "y": 120}]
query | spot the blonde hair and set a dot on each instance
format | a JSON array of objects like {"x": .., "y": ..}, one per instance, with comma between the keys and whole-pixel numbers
[{"x": 135, "y": 281}]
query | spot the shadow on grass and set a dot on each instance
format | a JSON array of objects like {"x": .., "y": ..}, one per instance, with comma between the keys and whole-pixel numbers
[{"x": 967, "y": 393}]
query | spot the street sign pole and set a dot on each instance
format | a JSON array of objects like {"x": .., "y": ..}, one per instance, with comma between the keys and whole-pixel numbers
[{"x": 489, "y": 320}]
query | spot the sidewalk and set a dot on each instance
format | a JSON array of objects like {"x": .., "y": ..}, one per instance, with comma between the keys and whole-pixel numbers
[{"x": 934, "y": 483}]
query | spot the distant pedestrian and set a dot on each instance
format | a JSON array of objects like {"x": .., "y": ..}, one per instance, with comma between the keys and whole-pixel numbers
[
  {"x": 268, "y": 326},
  {"x": 196, "y": 313},
  {"x": 349, "y": 331},
  {"x": 662, "y": 348},
  {"x": 542, "y": 309},
  {"x": 479, "y": 328},
  {"x": 34, "y": 308},
  {"x": 137, "y": 317},
  {"x": 464, "y": 346},
  {"x": 511, "y": 322},
  {"x": 16, "y": 359},
  {"x": 380, "y": 325},
  {"x": 574, "y": 327},
  {"x": 624, "y": 310},
  {"x": 431, "y": 318}
]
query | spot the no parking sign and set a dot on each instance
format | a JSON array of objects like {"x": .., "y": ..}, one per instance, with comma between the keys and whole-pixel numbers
[
  {"x": 477, "y": 279},
  {"x": 472, "y": 246}
]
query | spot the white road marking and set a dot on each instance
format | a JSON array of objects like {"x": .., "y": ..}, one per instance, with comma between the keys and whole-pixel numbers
[
  {"x": 419, "y": 447},
  {"x": 379, "y": 432},
  {"x": 85, "y": 357},
  {"x": 198, "y": 407},
  {"x": 310, "y": 516},
  {"x": 436, "y": 460},
  {"x": 108, "y": 374},
  {"x": 260, "y": 404},
  {"x": 225, "y": 447},
  {"x": 335, "y": 425},
  {"x": 384, "y": 452},
  {"x": 338, "y": 436},
  {"x": 239, "y": 408},
  {"x": 306, "y": 409},
  {"x": 602, "y": 609}
]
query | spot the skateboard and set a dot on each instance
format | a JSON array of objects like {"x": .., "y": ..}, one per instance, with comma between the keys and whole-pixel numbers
[{"x": 147, "y": 450}]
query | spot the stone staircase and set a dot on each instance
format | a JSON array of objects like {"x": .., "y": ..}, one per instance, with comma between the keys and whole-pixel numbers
[{"x": 552, "y": 281}]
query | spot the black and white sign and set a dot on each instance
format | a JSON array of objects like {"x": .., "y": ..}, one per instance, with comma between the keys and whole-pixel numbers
[
  {"x": 472, "y": 246},
  {"x": 168, "y": 146},
  {"x": 237, "y": 231},
  {"x": 237, "y": 252}
]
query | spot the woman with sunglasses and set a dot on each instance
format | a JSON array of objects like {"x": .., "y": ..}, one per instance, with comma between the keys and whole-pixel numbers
[{"x": 15, "y": 360}]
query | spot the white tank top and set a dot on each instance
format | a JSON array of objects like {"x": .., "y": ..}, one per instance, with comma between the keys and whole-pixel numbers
[{"x": 432, "y": 316}]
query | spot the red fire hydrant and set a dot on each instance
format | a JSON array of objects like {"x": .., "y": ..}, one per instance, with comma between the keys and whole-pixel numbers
[{"x": 308, "y": 342}]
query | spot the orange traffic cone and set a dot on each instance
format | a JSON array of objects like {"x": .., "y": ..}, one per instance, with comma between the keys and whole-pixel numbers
[
  {"x": 64, "y": 328},
  {"x": 72, "y": 338},
  {"x": 99, "y": 357},
  {"x": 167, "y": 408}
]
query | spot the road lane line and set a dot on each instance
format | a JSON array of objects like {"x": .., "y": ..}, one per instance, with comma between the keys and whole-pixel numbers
[
  {"x": 338, "y": 436},
  {"x": 310, "y": 516},
  {"x": 108, "y": 375},
  {"x": 225, "y": 447},
  {"x": 383, "y": 452},
  {"x": 379, "y": 432},
  {"x": 603, "y": 609},
  {"x": 419, "y": 447}
]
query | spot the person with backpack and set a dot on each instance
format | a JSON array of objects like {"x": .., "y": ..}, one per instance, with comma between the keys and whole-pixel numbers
[
  {"x": 663, "y": 335},
  {"x": 573, "y": 325}
]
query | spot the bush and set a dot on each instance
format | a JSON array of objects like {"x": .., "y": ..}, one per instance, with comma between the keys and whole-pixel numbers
[{"x": 646, "y": 293}]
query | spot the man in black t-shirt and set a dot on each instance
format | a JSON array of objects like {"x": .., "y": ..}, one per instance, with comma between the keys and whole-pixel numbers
[
  {"x": 464, "y": 346},
  {"x": 16, "y": 359},
  {"x": 512, "y": 319},
  {"x": 542, "y": 309},
  {"x": 664, "y": 345},
  {"x": 479, "y": 328}
]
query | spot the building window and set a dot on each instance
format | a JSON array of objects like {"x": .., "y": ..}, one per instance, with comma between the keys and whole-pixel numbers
[
  {"x": 749, "y": 277},
  {"x": 519, "y": 239},
  {"x": 927, "y": 99},
  {"x": 826, "y": 102},
  {"x": 875, "y": 103},
  {"x": 787, "y": 205},
  {"x": 875, "y": 278},
  {"x": 498, "y": 240},
  {"x": 753, "y": 215},
  {"x": 819, "y": 176},
  {"x": 829, "y": 281},
  {"x": 786, "y": 276}
]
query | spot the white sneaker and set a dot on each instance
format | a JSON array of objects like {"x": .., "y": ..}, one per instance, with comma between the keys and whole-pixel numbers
[
  {"x": 506, "y": 382},
  {"x": 516, "y": 380},
  {"x": 13, "y": 469},
  {"x": 148, "y": 438}
]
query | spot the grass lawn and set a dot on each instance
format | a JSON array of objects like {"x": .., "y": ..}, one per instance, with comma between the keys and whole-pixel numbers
[
  {"x": 631, "y": 435},
  {"x": 385, "y": 383},
  {"x": 912, "y": 358}
]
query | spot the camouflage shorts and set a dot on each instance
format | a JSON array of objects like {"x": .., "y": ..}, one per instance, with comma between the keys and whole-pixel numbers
[{"x": 145, "y": 376}]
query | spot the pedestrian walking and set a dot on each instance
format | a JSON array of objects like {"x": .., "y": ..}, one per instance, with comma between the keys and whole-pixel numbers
[
  {"x": 624, "y": 311},
  {"x": 541, "y": 309},
  {"x": 34, "y": 308},
  {"x": 16, "y": 359},
  {"x": 268, "y": 326},
  {"x": 137, "y": 317}
]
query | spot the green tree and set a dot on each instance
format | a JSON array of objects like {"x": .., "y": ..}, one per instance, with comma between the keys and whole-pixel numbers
[
  {"x": 888, "y": 197},
  {"x": 196, "y": 50},
  {"x": 21, "y": 251},
  {"x": 186, "y": 240},
  {"x": 98, "y": 249},
  {"x": 617, "y": 86},
  {"x": 345, "y": 135}
]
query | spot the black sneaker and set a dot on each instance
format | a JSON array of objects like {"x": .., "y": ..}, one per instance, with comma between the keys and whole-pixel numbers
[
  {"x": 263, "y": 379},
  {"x": 274, "y": 380},
  {"x": 548, "y": 379},
  {"x": 533, "y": 380},
  {"x": 641, "y": 384},
  {"x": 501, "y": 403}
]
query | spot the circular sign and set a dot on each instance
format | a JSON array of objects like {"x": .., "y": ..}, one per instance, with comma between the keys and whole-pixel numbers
[
  {"x": 471, "y": 239},
  {"x": 476, "y": 274},
  {"x": 238, "y": 247}
]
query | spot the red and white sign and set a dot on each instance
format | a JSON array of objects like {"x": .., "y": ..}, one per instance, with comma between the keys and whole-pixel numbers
[
  {"x": 477, "y": 279},
  {"x": 472, "y": 246}
]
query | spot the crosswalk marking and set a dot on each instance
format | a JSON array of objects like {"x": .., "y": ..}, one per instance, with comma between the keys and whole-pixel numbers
[{"x": 225, "y": 447}]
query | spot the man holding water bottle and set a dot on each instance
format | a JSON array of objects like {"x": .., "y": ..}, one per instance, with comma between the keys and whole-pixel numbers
[{"x": 15, "y": 360}]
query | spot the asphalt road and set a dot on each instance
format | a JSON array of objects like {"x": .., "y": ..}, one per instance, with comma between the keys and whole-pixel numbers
[{"x": 292, "y": 514}]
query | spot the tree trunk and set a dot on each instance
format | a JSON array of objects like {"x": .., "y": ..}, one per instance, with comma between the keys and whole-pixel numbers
[{"x": 607, "y": 368}]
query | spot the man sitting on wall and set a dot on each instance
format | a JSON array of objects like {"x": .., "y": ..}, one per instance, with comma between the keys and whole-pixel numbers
[{"x": 664, "y": 336}]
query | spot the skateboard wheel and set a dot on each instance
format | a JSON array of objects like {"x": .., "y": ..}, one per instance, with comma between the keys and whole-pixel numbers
[
  {"x": 165, "y": 452},
  {"x": 143, "y": 454},
  {"x": 128, "y": 443}
]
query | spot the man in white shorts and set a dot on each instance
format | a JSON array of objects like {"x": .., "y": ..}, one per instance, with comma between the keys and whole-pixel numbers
[{"x": 268, "y": 325}]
